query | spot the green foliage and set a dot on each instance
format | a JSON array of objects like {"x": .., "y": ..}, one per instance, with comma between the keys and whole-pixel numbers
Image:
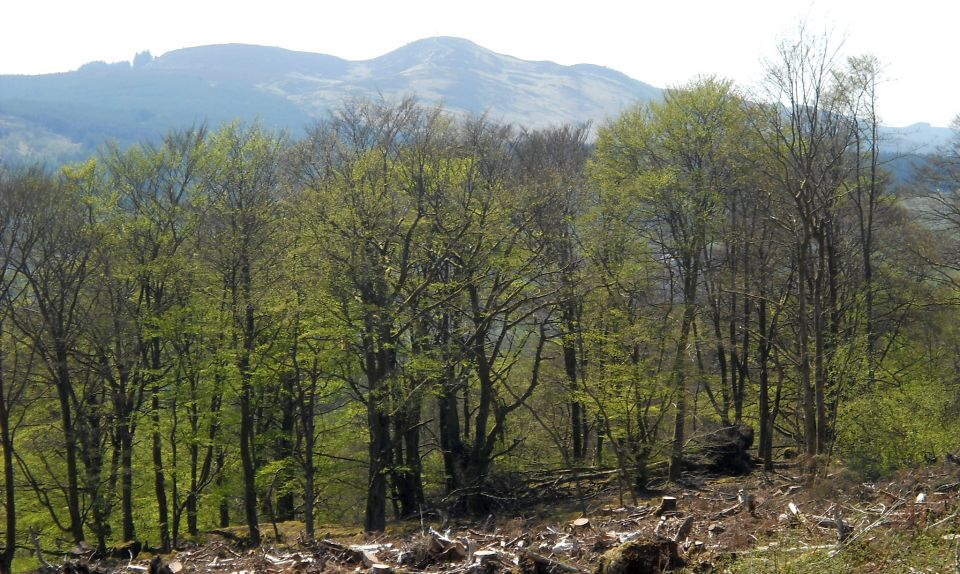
[
  {"x": 405, "y": 305},
  {"x": 881, "y": 432}
]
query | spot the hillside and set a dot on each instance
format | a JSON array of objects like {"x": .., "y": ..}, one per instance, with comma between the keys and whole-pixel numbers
[
  {"x": 789, "y": 523},
  {"x": 66, "y": 116}
]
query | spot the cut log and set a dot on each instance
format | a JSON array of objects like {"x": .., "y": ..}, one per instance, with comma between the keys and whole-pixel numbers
[{"x": 380, "y": 568}]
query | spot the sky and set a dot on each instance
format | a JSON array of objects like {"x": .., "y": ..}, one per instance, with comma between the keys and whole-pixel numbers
[{"x": 661, "y": 42}]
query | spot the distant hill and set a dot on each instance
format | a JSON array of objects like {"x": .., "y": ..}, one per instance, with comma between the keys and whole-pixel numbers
[
  {"x": 921, "y": 138},
  {"x": 67, "y": 115}
]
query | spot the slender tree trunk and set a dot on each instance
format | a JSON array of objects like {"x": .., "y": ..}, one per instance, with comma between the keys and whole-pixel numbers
[
  {"x": 70, "y": 440},
  {"x": 765, "y": 446},
  {"x": 379, "y": 450},
  {"x": 246, "y": 431},
  {"x": 809, "y": 412},
  {"x": 725, "y": 388},
  {"x": 247, "y": 462},
  {"x": 309, "y": 470},
  {"x": 819, "y": 336},
  {"x": 451, "y": 446},
  {"x": 743, "y": 367},
  {"x": 679, "y": 372},
  {"x": 9, "y": 486},
  {"x": 159, "y": 480},
  {"x": 448, "y": 415},
  {"x": 285, "y": 503},
  {"x": 571, "y": 367},
  {"x": 408, "y": 481},
  {"x": 866, "y": 234},
  {"x": 224, "y": 510},
  {"x": 598, "y": 451},
  {"x": 191, "y": 501},
  {"x": 126, "y": 479}
]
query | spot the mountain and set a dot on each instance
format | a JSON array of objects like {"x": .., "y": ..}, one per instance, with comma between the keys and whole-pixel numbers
[
  {"x": 66, "y": 116},
  {"x": 916, "y": 139}
]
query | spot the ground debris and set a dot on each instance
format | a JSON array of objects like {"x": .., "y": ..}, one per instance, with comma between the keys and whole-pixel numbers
[{"x": 696, "y": 526}]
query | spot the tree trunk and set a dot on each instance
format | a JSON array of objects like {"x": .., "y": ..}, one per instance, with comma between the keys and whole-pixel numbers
[
  {"x": 475, "y": 477},
  {"x": 571, "y": 368},
  {"x": 126, "y": 479},
  {"x": 159, "y": 480},
  {"x": 285, "y": 503},
  {"x": 309, "y": 471},
  {"x": 743, "y": 365},
  {"x": 70, "y": 440},
  {"x": 765, "y": 446},
  {"x": 224, "y": 510},
  {"x": 246, "y": 440},
  {"x": 10, "y": 499},
  {"x": 408, "y": 480},
  {"x": 809, "y": 413},
  {"x": 247, "y": 328},
  {"x": 191, "y": 501},
  {"x": 679, "y": 372},
  {"x": 819, "y": 338},
  {"x": 379, "y": 450},
  {"x": 451, "y": 446}
]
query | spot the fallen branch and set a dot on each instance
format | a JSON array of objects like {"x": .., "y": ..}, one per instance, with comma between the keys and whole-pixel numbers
[{"x": 36, "y": 544}]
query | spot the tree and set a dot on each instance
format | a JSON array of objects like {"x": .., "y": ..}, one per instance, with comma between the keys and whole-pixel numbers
[
  {"x": 809, "y": 138},
  {"x": 366, "y": 172},
  {"x": 19, "y": 189},
  {"x": 677, "y": 160},
  {"x": 243, "y": 189},
  {"x": 56, "y": 248},
  {"x": 155, "y": 186},
  {"x": 941, "y": 178},
  {"x": 552, "y": 176}
]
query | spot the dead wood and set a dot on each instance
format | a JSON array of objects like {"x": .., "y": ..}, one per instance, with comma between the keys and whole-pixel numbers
[
  {"x": 684, "y": 531},
  {"x": 533, "y": 563},
  {"x": 667, "y": 504}
]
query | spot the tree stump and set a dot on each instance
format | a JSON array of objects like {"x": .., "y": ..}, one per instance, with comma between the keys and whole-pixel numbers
[
  {"x": 641, "y": 556},
  {"x": 667, "y": 504}
]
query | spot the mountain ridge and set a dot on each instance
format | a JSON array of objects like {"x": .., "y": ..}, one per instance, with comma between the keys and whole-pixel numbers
[{"x": 67, "y": 115}]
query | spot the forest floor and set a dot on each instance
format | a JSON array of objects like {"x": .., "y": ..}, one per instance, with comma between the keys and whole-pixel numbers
[{"x": 835, "y": 523}]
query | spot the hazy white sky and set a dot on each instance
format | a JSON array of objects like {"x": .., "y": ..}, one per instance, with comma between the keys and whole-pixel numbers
[{"x": 661, "y": 42}]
